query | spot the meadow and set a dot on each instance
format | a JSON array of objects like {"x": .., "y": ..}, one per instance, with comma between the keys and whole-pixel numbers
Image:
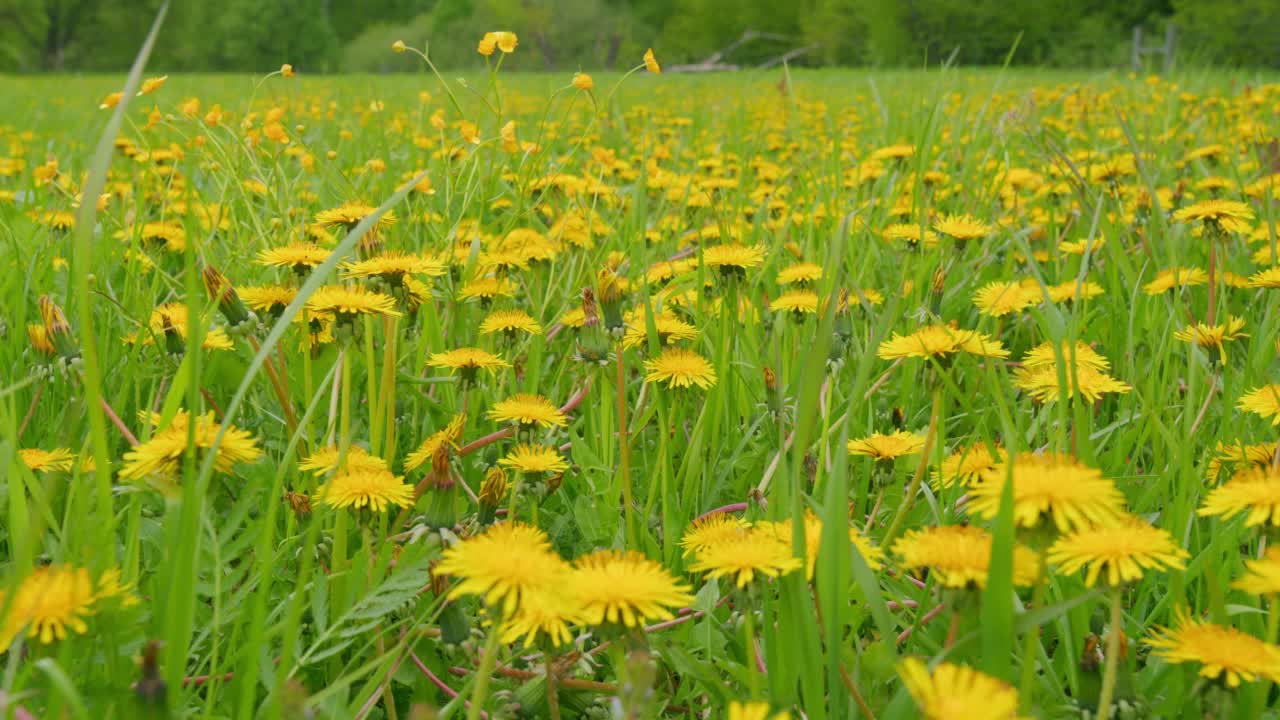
[{"x": 783, "y": 394}]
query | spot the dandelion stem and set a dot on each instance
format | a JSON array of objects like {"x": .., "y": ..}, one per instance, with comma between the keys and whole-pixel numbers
[
  {"x": 1113, "y": 658},
  {"x": 624, "y": 458},
  {"x": 487, "y": 662},
  {"x": 1029, "y": 640},
  {"x": 909, "y": 499}
]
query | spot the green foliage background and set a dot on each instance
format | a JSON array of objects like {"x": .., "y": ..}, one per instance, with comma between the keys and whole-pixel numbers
[{"x": 353, "y": 35}]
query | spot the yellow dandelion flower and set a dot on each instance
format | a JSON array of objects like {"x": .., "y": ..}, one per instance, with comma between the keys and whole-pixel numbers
[
  {"x": 534, "y": 459},
  {"x": 446, "y": 436},
  {"x": 1221, "y": 652},
  {"x": 299, "y": 257},
  {"x": 1050, "y": 487},
  {"x": 56, "y": 460},
  {"x": 680, "y": 368},
  {"x": 163, "y": 453},
  {"x": 1045, "y": 355},
  {"x": 510, "y": 322},
  {"x": 962, "y": 228},
  {"x": 392, "y": 267},
  {"x": 528, "y": 410},
  {"x": 1175, "y": 278},
  {"x": 1254, "y": 490},
  {"x": 487, "y": 288},
  {"x": 1225, "y": 215},
  {"x": 1212, "y": 337},
  {"x": 998, "y": 299},
  {"x": 1262, "y": 576},
  {"x": 348, "y": 215},
  {"x": 800, "y": 302},
  {"x": 272, "y": 299},
  {"x": 505, "y": 564},
  {"x": 957, "y": 692},
  {"x": 467, "y": 361},
  {"x": 1124, "y": 550},
  {"x": 346, "y": 303},
  {"x": 670, "y": 329},
  {"x": 651, "y": 63},
  {"x": 966, "y": 466},
  {"x": 542, "y": 612},
  {"x": 1263, "y": 402},
  {"x": 732, "y": 258},
  {"x": 910, "y": 234},
  {"x": 871, "y": 554},
  {"x": 940, "y": 341},
  {"x": 745, "y": 556},
  {"x": 365, "y": 487},
  {"x": 710, "y": 531},
  {"x": 754, "y": 711},
  {"x": 325, "y": 460},
  {"x": 800, "y": 274},
  {"x": 959, "y": 556},
  {"x": 1044, "y": 385},
  {"x": 624, "y": 589},
  {"x": 883, "y": 447}
]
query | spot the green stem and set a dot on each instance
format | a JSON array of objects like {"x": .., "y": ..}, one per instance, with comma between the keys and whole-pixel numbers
[
  {"x": 1273, "y": 618},
  {"x": 749, "y": 631},
  {"x": 624, "y": 459},
  {"x": 487, "y": 662},
  {"x": 1027, "y": 686},
  {"x": 909, "y": 499},
  {"x": 1113, "y": 658}
]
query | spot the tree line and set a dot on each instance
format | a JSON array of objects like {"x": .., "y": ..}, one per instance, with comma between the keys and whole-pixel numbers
[{"x": 354, "y": 35}]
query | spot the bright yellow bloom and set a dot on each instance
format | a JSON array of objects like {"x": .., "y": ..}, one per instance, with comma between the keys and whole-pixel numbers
[
  {"x": 467, "y": 360},
  {"x": 348, "y": 302},
  {"x": 871, "y": 554},
  {"x": 998, "y": 299},
  {"x": 511, "y": 322},
  {"x": 1045, "y": 385},
  {"x": 1225, "y": 215},
  {"x": 504, "y": 564},
  {"x": 365, "y": 487},
  {"x": 883, "y": 447},
  {"x": 446, "y": 436},
  {"x": 1175, "y": 277},
  {"x": 583, "y": 81},
  {"x": 711, "y": 531},
  {"x": 529, "y": 410},
  {"x": 624, "y": 588},
  {"x": 151, "y": 85},
  {"x": 680, "y": 368},
  {"x": 800, "y": 274},
  {"x": 1221, "y": 651},
  {"x": 732, "y": 258},
  {"x": 1263, "y": 402},
  {"x": 966, "y": 466},
  {"x": 959, "y": 556},
  {"x": 1213, "y": 336},
  {"x": 741, "y": 557},
  {"x": 651, "y": 63},
  {"x": 1124, "y": 550},
  {"x": 1045, "y": 355},
  {"x": 1262, "y": 577},
  {"x": 1050, "y": 487},
  {"x": 800, "y": 302},
  {"x": 56, "y": 460},
  {"x": 957, "y": 692},
  {"x": 754, "y": 711},
  {"x": 325, "y": 460},
  {"x": 58, "y": 598},
  {"x": 534, "y": 459},
  {"x": 394, "y": 266},
  {"x": 1254, "y": 490},
  {"x": 962, "y": 227},
  {"x": 940, "y": 341},
  {"x": 163, "y": 453},
  {"x": 298, "y": 257}
]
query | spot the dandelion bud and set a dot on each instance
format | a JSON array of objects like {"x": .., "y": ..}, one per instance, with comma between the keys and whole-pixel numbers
[
  {"x": 583, "y": 81},
  {"x": 224, "y": 294},
  {"x": 300, "y": 502},
  {"x": 935, "y": 290},
  {"x": 39, "y": 339},
  {"x": 493, "y": 489},
  {"x": 57, "y": 330},
  {"x": 286, "y": 70},
  {"x": 593, "y": 344},
  {"x": 150, "y": 688},
  {"x": 770, "y": 380},
  {"x": 399, "y": 46}
]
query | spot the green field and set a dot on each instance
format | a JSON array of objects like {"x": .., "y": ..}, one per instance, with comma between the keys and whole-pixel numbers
[{"x": 812, "y": 392}]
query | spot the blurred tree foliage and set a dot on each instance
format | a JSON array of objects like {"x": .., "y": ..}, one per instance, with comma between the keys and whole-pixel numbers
[{"x": 354, "y": 35}]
